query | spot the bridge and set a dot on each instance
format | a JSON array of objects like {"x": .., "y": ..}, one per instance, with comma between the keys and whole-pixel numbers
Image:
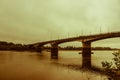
[{"x": 86, "y": 45}]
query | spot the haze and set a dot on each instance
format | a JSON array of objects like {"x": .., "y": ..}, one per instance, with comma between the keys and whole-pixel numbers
[{"x": 30, "y": 21}]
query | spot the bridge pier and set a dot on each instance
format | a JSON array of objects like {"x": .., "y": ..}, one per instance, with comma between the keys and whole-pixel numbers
[
  {"x": 86, "y": 55},
  {"x": 39, "y": 48},
  {"x": 54, "y": 51}
]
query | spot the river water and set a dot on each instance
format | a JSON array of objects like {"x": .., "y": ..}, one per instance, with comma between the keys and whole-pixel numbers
[{"x": 35, "y": 66}]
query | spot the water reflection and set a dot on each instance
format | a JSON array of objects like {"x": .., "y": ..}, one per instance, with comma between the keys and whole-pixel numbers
[{"x": 34, "y": 66}]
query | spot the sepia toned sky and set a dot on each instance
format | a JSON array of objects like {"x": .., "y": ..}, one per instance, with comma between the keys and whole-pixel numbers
[{"x": 30, "y": 21}]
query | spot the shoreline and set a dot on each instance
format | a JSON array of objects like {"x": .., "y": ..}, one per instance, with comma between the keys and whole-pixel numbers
[{"x": 50, "y": 51}]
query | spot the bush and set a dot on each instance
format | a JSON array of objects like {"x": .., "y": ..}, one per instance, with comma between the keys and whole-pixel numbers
[{"x": 111, "y": 68}]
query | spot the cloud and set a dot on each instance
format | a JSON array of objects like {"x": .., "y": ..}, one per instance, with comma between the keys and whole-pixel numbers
[{"x": 30, "y": 21}]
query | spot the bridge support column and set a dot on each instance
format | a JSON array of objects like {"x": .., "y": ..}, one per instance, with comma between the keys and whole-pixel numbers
[
  {"x": 54, "y": 51},
  {"x": 86, "y": 55},
  {"x": 39, "y": 49}
]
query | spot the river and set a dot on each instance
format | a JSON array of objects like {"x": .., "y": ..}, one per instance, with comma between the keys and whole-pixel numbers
[{"x": 35, "y": 66}]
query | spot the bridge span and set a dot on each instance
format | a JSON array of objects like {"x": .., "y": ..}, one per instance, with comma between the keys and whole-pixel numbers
[{"x": 86, "y": 45}]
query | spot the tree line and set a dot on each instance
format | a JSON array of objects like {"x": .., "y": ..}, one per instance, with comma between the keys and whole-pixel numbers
[{"x": 22, "y": 47}]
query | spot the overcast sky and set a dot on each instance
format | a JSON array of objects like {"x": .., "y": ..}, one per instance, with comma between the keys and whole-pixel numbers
[{"x": 30, "y": 21}]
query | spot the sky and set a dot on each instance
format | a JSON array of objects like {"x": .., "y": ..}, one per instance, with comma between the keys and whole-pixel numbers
[{"x": 31, "y": 21}]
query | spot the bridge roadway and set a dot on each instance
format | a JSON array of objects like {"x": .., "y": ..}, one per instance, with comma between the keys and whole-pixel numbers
[{"x": 86, "y": 45}]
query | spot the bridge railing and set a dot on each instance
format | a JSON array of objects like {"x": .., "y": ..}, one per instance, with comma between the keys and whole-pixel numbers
[{"x": 78, "y": 37}]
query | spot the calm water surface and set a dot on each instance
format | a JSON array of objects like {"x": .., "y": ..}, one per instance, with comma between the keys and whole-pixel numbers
[{"x": 35, "y": 66}]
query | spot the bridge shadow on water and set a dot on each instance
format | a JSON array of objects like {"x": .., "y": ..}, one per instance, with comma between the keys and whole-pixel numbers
[{"x": 76, "y": 67}]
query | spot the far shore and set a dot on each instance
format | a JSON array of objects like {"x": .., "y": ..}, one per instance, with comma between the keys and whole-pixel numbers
[
  {"x": 48, "y": 50},
  {"x": 92, "y": 50}
]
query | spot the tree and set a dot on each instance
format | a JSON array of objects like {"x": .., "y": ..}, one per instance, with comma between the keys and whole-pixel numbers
[{"x": 111, "y": 68}]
